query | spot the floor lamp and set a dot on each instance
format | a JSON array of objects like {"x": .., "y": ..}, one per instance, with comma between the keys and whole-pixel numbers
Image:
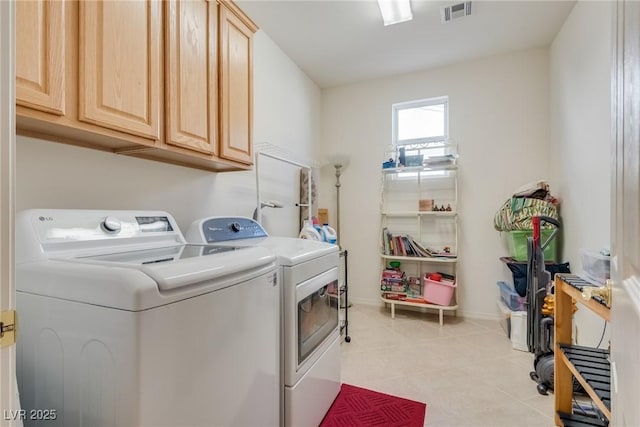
[
  {"x": 338, "y": 173},
  {"x": 339, "y": 162}
]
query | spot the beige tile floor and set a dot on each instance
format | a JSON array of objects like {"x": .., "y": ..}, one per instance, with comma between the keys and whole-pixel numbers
[{"x": 466, "y": 371}]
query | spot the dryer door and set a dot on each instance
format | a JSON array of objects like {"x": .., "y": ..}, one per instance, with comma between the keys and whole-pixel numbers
[{"x": 317, "y": 306}]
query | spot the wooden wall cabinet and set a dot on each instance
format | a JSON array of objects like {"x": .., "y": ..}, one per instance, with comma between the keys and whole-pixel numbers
[
  {"x": 40, "y": 37},
  {"x": 191, "y": 80},
  {"x": 119, "y": 65},
  {"x": 236, "y": 84},
  {"x": 168, "y": 81}
]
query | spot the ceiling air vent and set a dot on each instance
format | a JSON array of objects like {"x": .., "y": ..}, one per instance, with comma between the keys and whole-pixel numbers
[{"x": 455, "y": 11}]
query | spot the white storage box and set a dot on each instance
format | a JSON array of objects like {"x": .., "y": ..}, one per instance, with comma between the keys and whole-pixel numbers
[
  {"x": 505, "y": 320},
  {"x": 514, "y": 324},
  {"x": 519, "y": 330},
  {"x": 595, "y": 267}
]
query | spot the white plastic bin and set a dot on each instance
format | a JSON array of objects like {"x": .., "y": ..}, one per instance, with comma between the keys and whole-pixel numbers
[
  {"x": 595, "y": 266},
  {"x": 514, "y": 324},
  {"x": 519, "y": 330},
  {"x": 505, "y": 320}
]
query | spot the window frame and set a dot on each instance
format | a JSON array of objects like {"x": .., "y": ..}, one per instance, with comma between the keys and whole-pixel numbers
[{"x": 441, "y": 100}]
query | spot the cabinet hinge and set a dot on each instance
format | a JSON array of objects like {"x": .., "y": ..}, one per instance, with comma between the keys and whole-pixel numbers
[{"x": 8, "y": 328}]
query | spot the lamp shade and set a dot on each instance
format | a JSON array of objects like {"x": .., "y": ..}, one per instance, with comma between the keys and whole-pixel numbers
[{"x": 341, "y": 160}]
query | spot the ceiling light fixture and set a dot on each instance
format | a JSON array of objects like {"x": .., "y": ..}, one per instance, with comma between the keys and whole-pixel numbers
[{"x": 395, "y": 11}]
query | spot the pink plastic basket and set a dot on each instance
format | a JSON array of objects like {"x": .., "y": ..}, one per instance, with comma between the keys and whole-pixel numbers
[{"x": 438, "y": 292}]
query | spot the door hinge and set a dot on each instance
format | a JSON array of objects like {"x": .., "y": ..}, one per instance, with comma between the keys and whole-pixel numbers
[{"x": 8, "y": 328}]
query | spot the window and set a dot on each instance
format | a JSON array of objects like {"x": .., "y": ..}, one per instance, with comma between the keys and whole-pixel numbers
[
  {"x": 421, "y": 130},
  {"x": 421, "y": 122}
]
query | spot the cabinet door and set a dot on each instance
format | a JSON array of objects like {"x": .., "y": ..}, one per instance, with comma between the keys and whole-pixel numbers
[
  {"x": 40, "y": 82},
  {"x": 236, "y": 87},
  {"x": 192, "y": 74},
  {"x": 119, "y": 65}
]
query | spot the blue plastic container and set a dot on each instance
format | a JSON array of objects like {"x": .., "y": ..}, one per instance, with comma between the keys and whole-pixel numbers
[{"x": 511, "y": 298}]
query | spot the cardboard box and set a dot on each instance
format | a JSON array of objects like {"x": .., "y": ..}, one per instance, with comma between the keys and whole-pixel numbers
[
  {"x": 425, "y": 205},
  {"x": 323, "y": 216}
]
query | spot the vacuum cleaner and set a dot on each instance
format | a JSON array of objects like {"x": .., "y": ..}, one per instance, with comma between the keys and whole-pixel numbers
[{"x": 540, "y": 326}]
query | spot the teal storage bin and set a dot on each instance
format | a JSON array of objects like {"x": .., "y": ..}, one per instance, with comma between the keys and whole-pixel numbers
[{"x": 517, "y": 241}]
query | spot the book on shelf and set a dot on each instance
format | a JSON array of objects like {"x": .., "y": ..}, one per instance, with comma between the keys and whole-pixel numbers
[
  {"x": 386, "y": 242},
  {"x": 421, "y": 250},
  {"x": 407, "y": 246},
  {"x": 389, "y": 273},
  {"x": 393, "y": 287},
  {"x": 444, "y": 255},
  {"x": 411, "y": 249},
  {"x": 400, "y": 296},
  {"x": 399, "y": 244}
]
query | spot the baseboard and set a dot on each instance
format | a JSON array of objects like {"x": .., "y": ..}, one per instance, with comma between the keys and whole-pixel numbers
[
  {"x": 478, "y": 316},
  {"x": 366, "y": 301},
  {"x": 459, "y": 313}
]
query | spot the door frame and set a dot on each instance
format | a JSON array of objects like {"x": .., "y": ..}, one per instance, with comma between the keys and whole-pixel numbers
[
  {"x": 8, "y": 392},
  {"x": 625, "y": 231}
]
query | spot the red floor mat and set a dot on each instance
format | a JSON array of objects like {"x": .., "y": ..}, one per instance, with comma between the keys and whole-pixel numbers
[{"x": 357, "y": 406}]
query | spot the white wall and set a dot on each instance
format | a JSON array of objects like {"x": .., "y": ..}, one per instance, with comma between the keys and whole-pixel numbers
[
  {"x": 580, "y": 72},
  {"x": 286, "y": 114},
  {"x": 499, "y": 117}
]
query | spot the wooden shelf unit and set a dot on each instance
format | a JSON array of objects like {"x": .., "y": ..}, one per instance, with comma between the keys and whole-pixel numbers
[{"x": 590, "y": 366}]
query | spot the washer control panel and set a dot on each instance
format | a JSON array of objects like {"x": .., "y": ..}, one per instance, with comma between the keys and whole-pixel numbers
[
  {"x": 223, "y": 229},
  {"x": 111, "y": 225}
]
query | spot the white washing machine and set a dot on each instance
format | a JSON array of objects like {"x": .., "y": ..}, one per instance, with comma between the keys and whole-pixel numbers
[
  {"x": 123, "y": 324},
  {"x": 311, "y": 345}
]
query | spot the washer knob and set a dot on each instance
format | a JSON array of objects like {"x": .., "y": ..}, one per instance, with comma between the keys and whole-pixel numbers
[
  {"x": 111, "y": 225},
  {"x": 235, "y": 227}
]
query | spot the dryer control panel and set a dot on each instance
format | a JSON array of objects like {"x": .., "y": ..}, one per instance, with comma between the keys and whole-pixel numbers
[{"x": 223, "y": 229}]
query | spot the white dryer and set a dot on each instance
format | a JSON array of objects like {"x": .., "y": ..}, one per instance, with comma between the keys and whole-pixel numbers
[
  {"x": 123, "y": 324},
  {"x": 311, "y": 345}
]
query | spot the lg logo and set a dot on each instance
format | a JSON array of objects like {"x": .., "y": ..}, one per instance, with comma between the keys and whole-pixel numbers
[{"x": 46, "y": 218}]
